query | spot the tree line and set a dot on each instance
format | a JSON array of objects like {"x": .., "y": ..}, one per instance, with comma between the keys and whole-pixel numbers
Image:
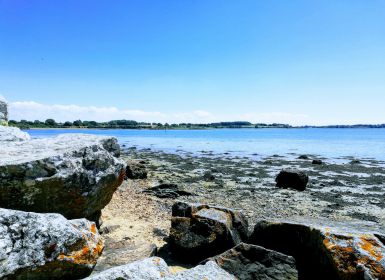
[{"x": 130, "y": 124}]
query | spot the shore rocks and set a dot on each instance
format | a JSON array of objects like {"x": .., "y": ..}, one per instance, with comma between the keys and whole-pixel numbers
[
  {"x": 201, "y": 231},
  {"x": 324, "y": 252},
  {"x": 209, "y": 271},
  {"x": 72, "y": 174},
  {"x": 147, "y": 269},
  {"x": 167, "y": 191},
  {"x": 135, "y": 170},
  {"x": 317, "y": 162},
  {"x": 292, "y": 179},
  {"x": 12, "y": 134},
  {"x": 3, "y": 111},
  {"x": 46, "y": 246},
  {"x": 251, "y": 262},
  {"x": 156, "y": 268},
  {"x": 118, "y": 253}
]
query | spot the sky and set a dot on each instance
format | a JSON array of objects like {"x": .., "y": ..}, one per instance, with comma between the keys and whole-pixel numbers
[{"x": 297, "y": 62}]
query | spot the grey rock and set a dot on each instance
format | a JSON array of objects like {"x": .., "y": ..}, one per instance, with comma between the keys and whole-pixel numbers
[
  {"x": 251, "y": 262},
  {"x": 208, "y": 176},
  {"x": 324, "y": 251},
  {"x": 209, "y": 271},
  {"x": 72, "y": 174},
  {"x": 8, "y": 133},
  {"x": 156, "y": 268},
  {"x": 292, "y": 179},
  {"x": 46, "y": 246},
  {"x": 201, "y": 231},
  {"x": 118, "y": 253},
  {"x": 147, "y": 269},
  {"x": 135, "y": 170},
  {"x": 303, "y": 157}
]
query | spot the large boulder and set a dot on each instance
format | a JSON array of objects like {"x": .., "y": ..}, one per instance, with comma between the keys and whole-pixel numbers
[
  {"x": 3, "y": 111},
  {"x": 251, "y": 262},
  {"x": 12, "y": 134},
  {"x": 201, "y": 231},
  {"x": 72, "y": 174},
  {"x": 324, "y": 252},
  {"x": 46, "y": 246},
  {"x": 292, "y": 179},
  {"x": 156, "y": 268}
]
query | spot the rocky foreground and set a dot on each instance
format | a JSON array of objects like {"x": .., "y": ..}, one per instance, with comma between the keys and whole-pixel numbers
[{"x": 73, "y": 207}]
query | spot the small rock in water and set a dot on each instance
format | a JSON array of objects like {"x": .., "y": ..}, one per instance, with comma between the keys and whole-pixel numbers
[
  {"x": 303, "y": 157},
  {"x": 292, "y": 179},
  {"x": 317, "y": 161}
]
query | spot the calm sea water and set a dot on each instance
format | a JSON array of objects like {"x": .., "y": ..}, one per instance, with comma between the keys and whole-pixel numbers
[{"x": 330, "y": 143}]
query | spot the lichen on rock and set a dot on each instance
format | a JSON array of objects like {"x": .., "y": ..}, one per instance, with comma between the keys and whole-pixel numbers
[{"x": 46, "y": 246}]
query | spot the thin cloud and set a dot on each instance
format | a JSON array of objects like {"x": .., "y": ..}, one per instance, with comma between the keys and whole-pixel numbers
[{"x": 30, "y": 110}]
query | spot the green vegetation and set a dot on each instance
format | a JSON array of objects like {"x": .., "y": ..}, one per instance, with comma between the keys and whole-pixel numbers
[{"x": 129, "y": 124}]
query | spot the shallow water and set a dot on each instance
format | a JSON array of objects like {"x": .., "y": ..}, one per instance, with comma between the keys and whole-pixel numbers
[{"x": 330, "y": 143}]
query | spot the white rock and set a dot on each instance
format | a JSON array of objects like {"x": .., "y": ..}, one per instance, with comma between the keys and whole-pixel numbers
[
  {"x": 46, "y": 246},
  {"x": 156, "y": 268}
]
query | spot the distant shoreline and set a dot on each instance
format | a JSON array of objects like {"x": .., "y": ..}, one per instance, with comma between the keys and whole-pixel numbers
[{"x": 118, "y": 128}]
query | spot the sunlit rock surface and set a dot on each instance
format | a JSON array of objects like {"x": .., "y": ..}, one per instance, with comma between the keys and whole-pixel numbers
[{"x": 71, "y": 174}]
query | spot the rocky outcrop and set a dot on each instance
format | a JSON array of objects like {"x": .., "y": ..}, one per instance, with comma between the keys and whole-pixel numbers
[
  {"x": 251, "y": 262},
  {"x": 156, "y": 268},
  {"x": 200, "y": 231},
  {"x": 12, "y": 134},
  {"x": 3, "y": 111},
  {"x": 46, "y": 246},
  {"x": 324, "y": 252},
  {"x": 292, "y": 179},
  {"x": 135, "y": 170},
  {"x": 72, "y": 174}
]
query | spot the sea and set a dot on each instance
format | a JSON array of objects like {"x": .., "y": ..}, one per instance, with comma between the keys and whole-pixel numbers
[{"x": 330, "y": 143}]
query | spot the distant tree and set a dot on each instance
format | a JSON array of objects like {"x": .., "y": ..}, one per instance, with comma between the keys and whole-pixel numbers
[
  {"x": 50, "y": 122},
  {"x": 78, "y": 123},
  {"x": 67, "y": 124}
]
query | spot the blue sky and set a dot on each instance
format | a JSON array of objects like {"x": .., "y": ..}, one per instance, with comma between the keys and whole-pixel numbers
[{"x": 298, "y": 62}]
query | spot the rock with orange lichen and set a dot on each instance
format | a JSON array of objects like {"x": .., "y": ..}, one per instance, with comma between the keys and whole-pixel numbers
[
  {"x": 72, "y": 174},
  {"x": 46, "y": 246},
  {"x": 323, "y": 252},
  {"x": 201, "y": 231}
]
